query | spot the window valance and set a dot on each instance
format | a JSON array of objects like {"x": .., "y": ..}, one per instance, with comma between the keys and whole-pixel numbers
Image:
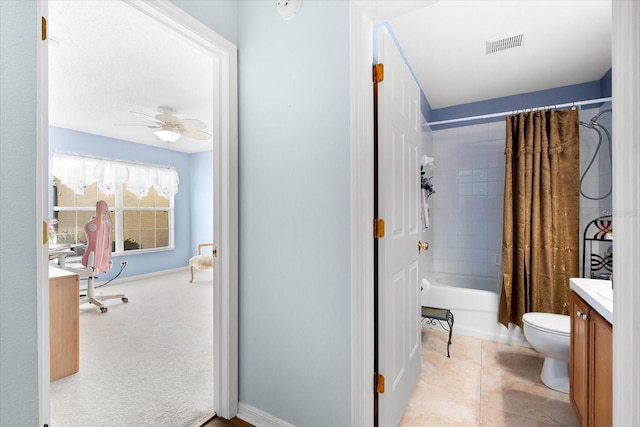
[{"x": 78, "y": 172}]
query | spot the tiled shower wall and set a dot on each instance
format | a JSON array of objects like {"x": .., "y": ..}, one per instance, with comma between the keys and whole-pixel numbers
[
  {"x": 597, "y": 181},
  {"x": 466, "y": 209},
  {"x": 467, "y": 205},
  {"x": 426, "y": 258}
]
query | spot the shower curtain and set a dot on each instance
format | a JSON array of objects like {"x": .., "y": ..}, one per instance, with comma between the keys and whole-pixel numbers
[{"x": 540, "y": 243}]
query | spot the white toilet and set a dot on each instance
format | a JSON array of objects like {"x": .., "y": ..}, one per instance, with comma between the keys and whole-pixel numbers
[{"x": 548, "y": 334}]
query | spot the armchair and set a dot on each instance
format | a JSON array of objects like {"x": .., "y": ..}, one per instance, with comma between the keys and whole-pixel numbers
[
  {"x": 97, "y": 257},
  {"x": 202, "y": 261}
]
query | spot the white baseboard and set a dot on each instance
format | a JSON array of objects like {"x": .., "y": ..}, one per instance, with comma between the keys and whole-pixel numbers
[
  {"x": 144, "y": 276},
  {"x": 259, "y": 418}
]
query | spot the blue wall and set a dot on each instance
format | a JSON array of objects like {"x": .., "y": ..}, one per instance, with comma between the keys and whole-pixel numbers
[
  {"x": 606, "y": 85},
  {"x": 559, "y": 95},
  {"x": 220, "y": 15},
  {"x": 19, "y": 227},
  {"x": 294, "y": 155},
  {"x": 188, "y": 167},
  {"x": 201, "y": 196}
]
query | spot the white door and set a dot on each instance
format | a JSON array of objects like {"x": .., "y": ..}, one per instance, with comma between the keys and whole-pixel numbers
[{"x": 399, "y": 128}]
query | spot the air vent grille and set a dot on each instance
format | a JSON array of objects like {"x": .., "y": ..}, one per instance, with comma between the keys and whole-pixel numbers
[{"x": 504, "y": 43}]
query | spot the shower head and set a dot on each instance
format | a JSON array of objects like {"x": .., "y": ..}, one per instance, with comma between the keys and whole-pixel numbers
[{"x": 594, "y": 119}]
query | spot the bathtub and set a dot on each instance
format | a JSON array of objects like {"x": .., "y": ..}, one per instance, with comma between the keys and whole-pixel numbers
[{"x": 474, "y": 301}]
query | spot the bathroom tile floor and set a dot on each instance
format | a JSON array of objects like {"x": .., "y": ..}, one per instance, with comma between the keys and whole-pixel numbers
[{"x": 484, "y": 383}]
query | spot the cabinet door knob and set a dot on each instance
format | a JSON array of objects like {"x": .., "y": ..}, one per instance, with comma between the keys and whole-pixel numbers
[
  {"x": 578, "y": 313},
  {"x": 584, "y": 317}
]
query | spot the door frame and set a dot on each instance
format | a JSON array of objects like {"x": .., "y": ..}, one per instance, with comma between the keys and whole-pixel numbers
[
  {"x": 225, "y": 227},
  {"x": 362, "y": 202},
  {"x": 363, "y": 14}
]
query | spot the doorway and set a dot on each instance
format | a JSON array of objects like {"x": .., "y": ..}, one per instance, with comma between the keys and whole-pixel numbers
[
  {"x": 362, "y": 17},
  {"x": 224, "y": 54}
]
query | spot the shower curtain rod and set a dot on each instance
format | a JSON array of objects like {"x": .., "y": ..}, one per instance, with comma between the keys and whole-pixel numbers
[{"x": 506, "y": 113}]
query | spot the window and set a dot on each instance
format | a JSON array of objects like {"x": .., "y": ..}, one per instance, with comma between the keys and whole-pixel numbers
[
  {"x": 141, "y": 208},
  {"x": 145, "y": 220}
]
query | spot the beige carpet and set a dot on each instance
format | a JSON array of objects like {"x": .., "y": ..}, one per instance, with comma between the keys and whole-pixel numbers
[{"x": 148, "y": 362}]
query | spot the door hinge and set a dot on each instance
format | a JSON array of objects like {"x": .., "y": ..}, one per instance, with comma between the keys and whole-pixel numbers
[
  {"x": 379, "y": 380},
  {"x": 44, "y": 28},
  {"x": 378, "y": 228},
  {"x": 378, "y": 73},
  {"x": 214, "y": 252}
]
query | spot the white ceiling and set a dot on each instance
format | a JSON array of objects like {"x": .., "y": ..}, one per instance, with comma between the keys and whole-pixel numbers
[
  {"x": 565, "y": 43},
  {"x": 110, "y": 59}
]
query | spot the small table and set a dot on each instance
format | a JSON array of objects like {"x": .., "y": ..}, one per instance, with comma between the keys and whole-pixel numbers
[{"x": 432, "y": 314}]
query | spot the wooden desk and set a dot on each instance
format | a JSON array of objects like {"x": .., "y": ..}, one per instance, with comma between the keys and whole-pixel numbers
[
  {"x": 64, "y": 323},
  {"x": 61, "y": 255}
]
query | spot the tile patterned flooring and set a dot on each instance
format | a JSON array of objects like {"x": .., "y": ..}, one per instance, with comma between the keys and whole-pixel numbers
[{"x": 484, "y": 383}]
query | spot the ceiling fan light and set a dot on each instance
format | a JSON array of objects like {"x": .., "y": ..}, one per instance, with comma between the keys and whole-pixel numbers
[{"x": 167, "y": 135}]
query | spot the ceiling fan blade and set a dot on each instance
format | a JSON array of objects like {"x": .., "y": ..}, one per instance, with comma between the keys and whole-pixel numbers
[
  {"x": 194, "y": 134},
  {"x": 167, "y": 118},
  {"x": 190, "y": 124},
  {"x": 146, "y": 126},
  {"x": 153, "y": 119}
]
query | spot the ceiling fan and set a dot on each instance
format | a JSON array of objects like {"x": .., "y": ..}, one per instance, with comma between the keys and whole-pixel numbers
[{"x": 169, "y": 127}]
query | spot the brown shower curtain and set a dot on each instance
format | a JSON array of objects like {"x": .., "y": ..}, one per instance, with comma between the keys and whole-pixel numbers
[{"x": 540, "y": 243}]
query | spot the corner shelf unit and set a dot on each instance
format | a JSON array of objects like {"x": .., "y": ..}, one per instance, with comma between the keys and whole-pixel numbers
[{"x": 595, "y": 248}]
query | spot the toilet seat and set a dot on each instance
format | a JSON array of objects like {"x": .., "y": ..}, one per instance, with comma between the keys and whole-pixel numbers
[{"x": 557, "y": 324}]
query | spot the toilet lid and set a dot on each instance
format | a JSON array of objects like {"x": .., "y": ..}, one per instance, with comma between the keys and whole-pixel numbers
[{"x": 556, "y": 323}]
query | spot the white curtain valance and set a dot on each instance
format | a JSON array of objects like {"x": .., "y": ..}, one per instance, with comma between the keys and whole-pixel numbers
[{"x": 79, "y": 172}]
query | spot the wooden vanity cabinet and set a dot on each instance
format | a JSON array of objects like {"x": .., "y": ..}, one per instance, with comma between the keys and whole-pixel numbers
[
  {"x": 601, "y": 372},
  {"x": 590, "y": 365},
  {"x": 579, "y": 360}
]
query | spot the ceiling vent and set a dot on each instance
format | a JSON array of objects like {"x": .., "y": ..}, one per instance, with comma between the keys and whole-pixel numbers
[{"x": 504, "y": 43}]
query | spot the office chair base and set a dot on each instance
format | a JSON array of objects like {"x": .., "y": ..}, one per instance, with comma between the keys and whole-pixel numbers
[{"x": 99, "y": 302}]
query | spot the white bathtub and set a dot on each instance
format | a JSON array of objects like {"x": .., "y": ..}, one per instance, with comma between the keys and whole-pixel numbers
[{"x": 474, "y": 301}]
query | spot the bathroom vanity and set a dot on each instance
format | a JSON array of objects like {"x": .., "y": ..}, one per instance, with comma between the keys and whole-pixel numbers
[{"x": 590, "y": 364}]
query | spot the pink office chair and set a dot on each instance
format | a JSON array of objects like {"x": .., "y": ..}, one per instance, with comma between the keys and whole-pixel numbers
[{"x": 97, "y": 257}]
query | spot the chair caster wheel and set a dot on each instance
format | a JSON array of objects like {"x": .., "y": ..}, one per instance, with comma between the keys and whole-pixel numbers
[
  {"x": 125, "y": 299},
  {"x": 103, "y": 309}
]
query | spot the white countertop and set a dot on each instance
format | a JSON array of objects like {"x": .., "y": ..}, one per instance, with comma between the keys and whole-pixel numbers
[
  {"x": 595, "y": 293},
  {"x": 58, "y": 272}
]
